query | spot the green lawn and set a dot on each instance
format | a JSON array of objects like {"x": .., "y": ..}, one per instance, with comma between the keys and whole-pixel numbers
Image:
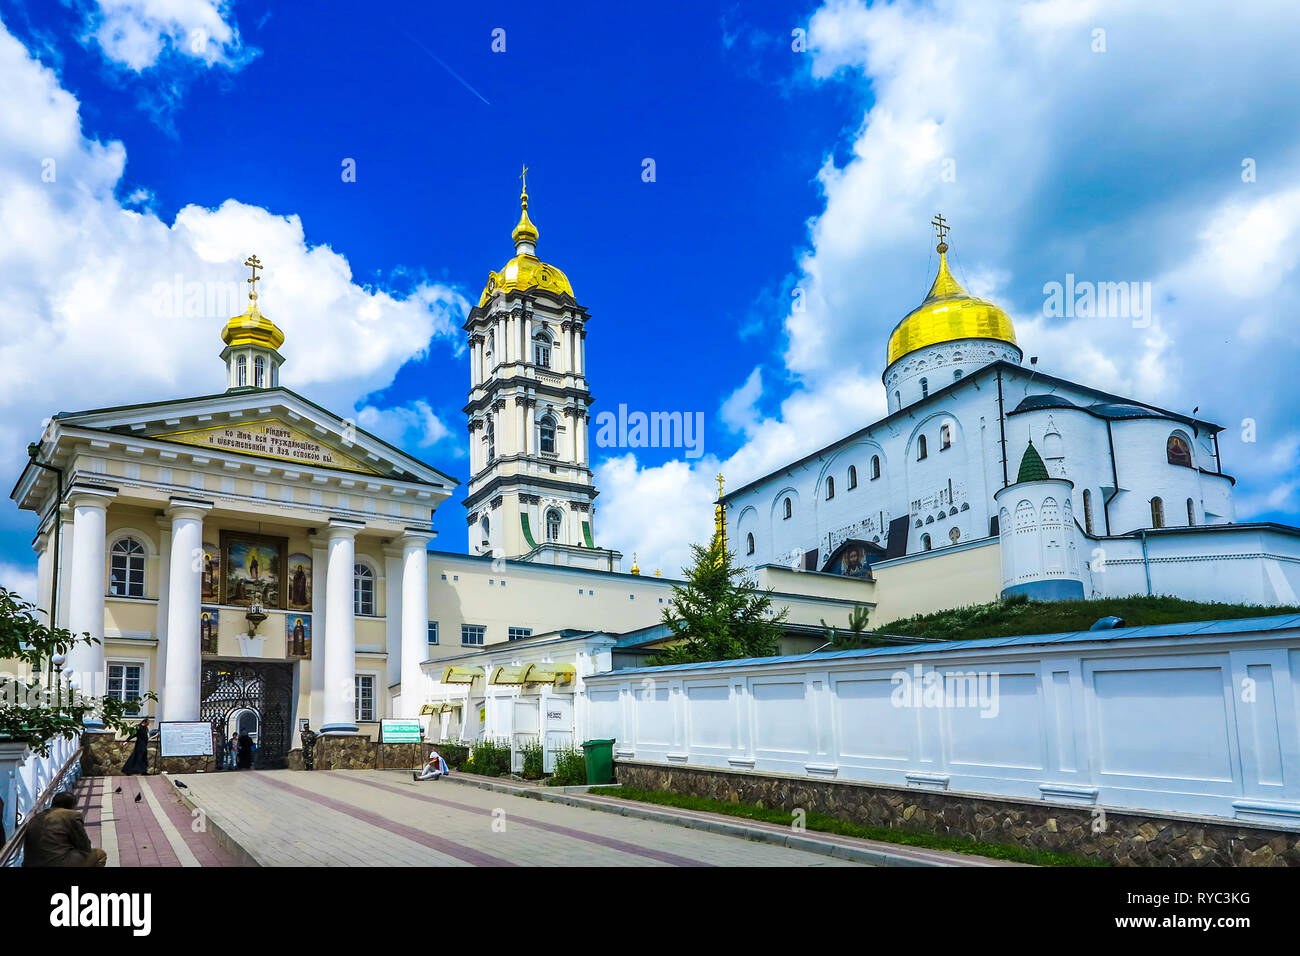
[
  {"x": 829, "y": 824},
  {"x": 1019, "y": 616}
]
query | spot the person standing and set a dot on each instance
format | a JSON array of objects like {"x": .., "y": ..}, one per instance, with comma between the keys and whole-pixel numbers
[
  {"x": 138, "y": 762},
  {"x": 308, "y": 747},
  {"x": 57, "y": 837},
  {"x": 245, "y": 751}
]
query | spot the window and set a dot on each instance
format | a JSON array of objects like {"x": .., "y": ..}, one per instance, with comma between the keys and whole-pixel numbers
[
  {"x": 241, "y": 371},
  {"x": 830, "y": 488},
  {"x": 920, "y": 448},
  {"x": 365, "y": 701},
  {"x": 749, "y": 543},
  {"x": 553, "y": 519},
  {"x": 956, "y": 374},
  {"x": 875, "y": 467},
  {"x": 1178, "y": 452},
  {"x": 485, "y": 527},
  {"x": 363, "y": 590},
  {"x": 472, "y": 634},
  {"x": 491, "y": 440},
  {"x": 433, "y": 632},
  {"x": 519, "y": 633},
  {"x": 1157, "y": 513},
  {"x": 945, "y": 437},
  {"x": 1191, "y": 513},
  {"x": 925, "y": 387},
  {"x": 789, "y": 509},
  {"x": 898, "y": 399},
  {"x": 275, "y": 375},
  {"x": 925, "y": 542},
  {"x": 542, "y": 350},
  {"x": 546, "y": 431},
  {"x": 853, "y": 477},
  {"x": 126, "y": 569},
  {"x": 124, "y": 681},
  {"x": 259, "y": 372},
  {"x": 1087, "y": 511}
]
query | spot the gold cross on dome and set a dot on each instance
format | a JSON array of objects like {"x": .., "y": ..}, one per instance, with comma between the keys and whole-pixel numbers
[
  {"x": 941, "y": 227},
  {"x": 720, "y": 484},
  {"x": 523, "y": 178},
  {"x": 253, "y": 263}
]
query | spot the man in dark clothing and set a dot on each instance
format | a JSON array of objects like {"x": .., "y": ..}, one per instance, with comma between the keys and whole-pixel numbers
[
  {"x": 57, "y": 837},
  {"x": 308, "y": 747},
  {"x": 138, "y": 762}
]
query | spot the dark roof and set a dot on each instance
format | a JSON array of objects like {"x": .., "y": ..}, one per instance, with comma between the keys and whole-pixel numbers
[{"x": 1031, "y": 466}]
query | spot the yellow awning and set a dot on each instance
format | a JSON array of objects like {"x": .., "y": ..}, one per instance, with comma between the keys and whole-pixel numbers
[
  {"x": 428, "y": 710},
  {"x": 461, "y": 675},
  {"x": 451, "y": 707},
  {"x": 550, "y": 673},
  {"x": 510, "y": 674}
]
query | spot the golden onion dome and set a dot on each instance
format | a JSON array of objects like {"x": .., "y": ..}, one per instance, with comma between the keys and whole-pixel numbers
[
  {"x": 525, "y": 271},
  {"x": 948, "y": 314},
  {"x": 252, "y": 328}
]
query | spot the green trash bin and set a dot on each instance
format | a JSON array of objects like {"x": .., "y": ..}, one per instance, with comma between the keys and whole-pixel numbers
[{"x": 599, "y": 755}]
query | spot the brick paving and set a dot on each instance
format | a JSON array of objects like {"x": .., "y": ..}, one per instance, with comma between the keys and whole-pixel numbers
[{"x": 379, "y": 818}]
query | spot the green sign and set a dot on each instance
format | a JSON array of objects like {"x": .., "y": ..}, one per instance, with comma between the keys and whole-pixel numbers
[{"x": 400, "y": 731}]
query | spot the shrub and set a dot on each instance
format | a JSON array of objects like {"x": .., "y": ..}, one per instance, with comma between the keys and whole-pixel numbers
[
  {"x": 491, "y": 758},
  {"x": 532, "y": 751},
  {"x": 570, "y": 769},
  {"x": 455, "y": 754}
]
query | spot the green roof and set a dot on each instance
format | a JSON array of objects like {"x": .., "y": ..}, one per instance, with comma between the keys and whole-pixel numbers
[{"x": 1031, "y": 466}]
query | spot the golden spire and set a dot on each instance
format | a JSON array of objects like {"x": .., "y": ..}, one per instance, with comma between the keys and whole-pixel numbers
[
  {"x": 525, "y": 232},
  {"x": 658, "y": 573},
  {"x": 635, "y": 569},
  {"x": 720, "y": 516}
]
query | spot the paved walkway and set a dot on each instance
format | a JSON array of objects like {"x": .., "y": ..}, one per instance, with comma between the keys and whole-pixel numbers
[
  {"x": 156, "y": 830},
  {"x": 382, "y": 818}
]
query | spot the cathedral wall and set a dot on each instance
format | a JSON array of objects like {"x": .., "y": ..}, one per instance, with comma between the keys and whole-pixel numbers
[{"x": 955, "y": 577}]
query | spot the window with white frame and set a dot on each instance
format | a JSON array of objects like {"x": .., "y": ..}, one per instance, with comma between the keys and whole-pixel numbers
[
  {"x": 365, "y": 701},
  {"x": 126, "y": 569},
  {"x": 124, "y": 681},
  {"x": 259, "y": 372},
  {"x": 433, "y": 632},
  {"x": 542, "y": 350},
  {"x": 553, "y": 520},
  {"x": 241, "y": 370},
  {"x": 519, "y": 633},
  {"x": 363, "y": 590},
  {"x": 472, "y": 634}
]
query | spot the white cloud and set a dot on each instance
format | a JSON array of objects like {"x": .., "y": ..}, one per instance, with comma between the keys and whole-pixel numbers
[
  {"x": 21, "y": 579},
  {"x": 136, "y": 34},
  {"x": 414, "y": 425},
  {"x": 740, "y": 410}
]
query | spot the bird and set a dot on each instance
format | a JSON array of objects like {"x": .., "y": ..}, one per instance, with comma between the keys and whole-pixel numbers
[
  {"x": 118, "y": 790},
  {"x": 138, "y": 796},
  {"x": 181, "y": 784}
]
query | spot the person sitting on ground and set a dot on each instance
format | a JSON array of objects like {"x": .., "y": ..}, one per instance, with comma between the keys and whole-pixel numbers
[
  {"x": 57, "y": 837},
  {"x": 435, "y": 768}
]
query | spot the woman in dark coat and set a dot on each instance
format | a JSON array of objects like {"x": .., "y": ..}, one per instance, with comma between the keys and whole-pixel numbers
[
  {"x": 138, "y": 762},
  {"x": 245, "y": 751}
]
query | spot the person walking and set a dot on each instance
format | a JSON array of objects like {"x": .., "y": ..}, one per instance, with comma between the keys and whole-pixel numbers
[{"x": 138, "y": 762}]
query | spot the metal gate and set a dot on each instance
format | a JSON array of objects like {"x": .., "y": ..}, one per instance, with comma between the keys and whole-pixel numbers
[{"x": 265, "y": 688}]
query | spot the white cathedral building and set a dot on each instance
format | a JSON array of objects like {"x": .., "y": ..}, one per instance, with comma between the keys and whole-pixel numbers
[{"x": 988, "y": 478}]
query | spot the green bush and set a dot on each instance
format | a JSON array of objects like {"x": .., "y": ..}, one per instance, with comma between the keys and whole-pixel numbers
[
  {"x": 570, "y": 769},
  {"x": 532, "y": 752},
  {"x": 490, "y": 758},
  {"x": 455, "y": 754}
]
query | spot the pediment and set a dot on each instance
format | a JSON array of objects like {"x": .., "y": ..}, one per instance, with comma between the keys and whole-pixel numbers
[{"x": 271, "y": 438}]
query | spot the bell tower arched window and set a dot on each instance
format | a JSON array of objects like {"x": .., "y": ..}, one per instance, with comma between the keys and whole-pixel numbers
[
  {"x": 542, "y": 349},
  {"x": 546, "y": 434},
  {"x": 241, "y": 371},
  {"x": 553, "y": 520},
  {"x": 259, "y": 372}
]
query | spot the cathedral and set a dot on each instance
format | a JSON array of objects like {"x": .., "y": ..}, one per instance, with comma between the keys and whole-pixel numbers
[{"x": 988, "y": 478}]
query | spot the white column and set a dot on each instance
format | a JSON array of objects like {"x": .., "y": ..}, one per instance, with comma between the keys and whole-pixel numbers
[
  {"x": 415, "y": 617},
  {"x": 159, "y": 675},
  {"x": 340, "y": 630},
  {"x": 181, "y": 684},
  {"x": 319, "y": 559},
  {"x": 65, "y": 564},
  {"x": 85, "y": 664},
  {"x": 393, "y": 614}
]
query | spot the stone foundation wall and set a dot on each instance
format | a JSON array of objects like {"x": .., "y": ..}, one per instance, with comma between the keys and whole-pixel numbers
[
  {"x": 1124, "y": 838},
  {"x": 362, "y": 753},
  {"x": 103, "y": 754}
]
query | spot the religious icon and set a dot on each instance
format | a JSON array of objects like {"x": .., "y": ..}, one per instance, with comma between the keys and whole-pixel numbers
[
  {"x": 852, "y": 561},
  {"x": 209, "y": 629},
  {"x": 210, "y": 574},
  {"x": 297, "y": 635},
  {"x": 253, "y": 569},
  {"x": 299, "y": 582}
]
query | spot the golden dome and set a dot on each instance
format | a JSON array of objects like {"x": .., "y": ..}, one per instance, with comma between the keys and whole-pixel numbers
[
  {"x": 252, "y": 328},
  {"x": 948, "y": 314},
  {"x": 525, "y": 271}
]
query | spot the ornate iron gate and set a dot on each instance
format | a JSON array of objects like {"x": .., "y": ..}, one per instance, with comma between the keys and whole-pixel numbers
[{"x": 263, "y": 687}]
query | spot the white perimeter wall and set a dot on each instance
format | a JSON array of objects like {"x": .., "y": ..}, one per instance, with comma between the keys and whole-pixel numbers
[{"x": 1205, "y": 725}]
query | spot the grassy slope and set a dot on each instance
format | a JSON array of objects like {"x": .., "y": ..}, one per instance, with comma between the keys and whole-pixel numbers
[{"x": 1016, "y": 617}]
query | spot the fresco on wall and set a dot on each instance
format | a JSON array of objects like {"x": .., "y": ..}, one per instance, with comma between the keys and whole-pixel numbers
[
  {"x": 297, "y": 635},
  {"x": 209, "y": 629},
  {"x": 299, "y": 582},
  {"x": 211, "y": 574},
  {"x": 253, "y": 570}
]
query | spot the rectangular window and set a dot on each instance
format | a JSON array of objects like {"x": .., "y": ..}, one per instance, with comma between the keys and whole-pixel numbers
[
  {"x": 365, "y": 709},
  {"x": 433, "y": 632},
  {"x": 124, "y": 681},
  {"x": 518, "y": 633},
  {"x": 472, "y": 634}
]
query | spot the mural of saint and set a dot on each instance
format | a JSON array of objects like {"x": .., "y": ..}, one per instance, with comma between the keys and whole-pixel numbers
[
  {"x": 299, "y": 582},
  {"x": 253, "y": 570},
  {"x": 209, "y": 628},
  {"x": 211, "y": 574},
  {"x": 297, "y": 635}
]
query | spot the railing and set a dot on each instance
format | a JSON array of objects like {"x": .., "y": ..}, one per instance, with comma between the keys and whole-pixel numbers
[{"x": 28, "y": 782}]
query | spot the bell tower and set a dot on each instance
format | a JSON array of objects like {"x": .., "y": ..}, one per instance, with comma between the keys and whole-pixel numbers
[
  {"x": 531, "y": 493},
  {"x": 252, "y": 343}
]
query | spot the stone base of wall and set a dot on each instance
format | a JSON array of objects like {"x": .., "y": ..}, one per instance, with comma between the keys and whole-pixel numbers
[
  {"x": 1125, "y": 838},
  {"x": 347, "y": 752},
  {"x": 103, "y": 754}
]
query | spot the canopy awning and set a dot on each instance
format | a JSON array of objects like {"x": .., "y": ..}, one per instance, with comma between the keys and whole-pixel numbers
[
  {"x": 452, "y": 706},
  {"x": 550, "y": 673},
  {"x": 428, "y": 710},
  {"x": 461, "y": 675},
  {"x": 510, "y": 674}
]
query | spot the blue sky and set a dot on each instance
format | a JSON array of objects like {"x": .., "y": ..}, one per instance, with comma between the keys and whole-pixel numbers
[{"x": 190, "y": 134}]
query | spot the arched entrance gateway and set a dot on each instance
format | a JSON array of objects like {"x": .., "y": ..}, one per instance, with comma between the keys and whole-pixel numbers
[{"x": 239, "y": 695}]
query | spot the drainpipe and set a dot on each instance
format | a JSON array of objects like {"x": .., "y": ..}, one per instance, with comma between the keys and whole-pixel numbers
[
  {"x": 1146, "y": 561},
  {"x": 1114, "y": 477},
  {"x": 1002, "y": 429}
]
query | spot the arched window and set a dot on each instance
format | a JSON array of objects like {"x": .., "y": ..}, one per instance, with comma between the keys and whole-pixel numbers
[
  {"x": 126, "y": 569},
  {"x": 547, "y": 432},
  {"x": 920, "y": 448},
  {"x": 945, "y": 436},
  {"x": 1191, "y": 513},
  {"x": 789, "y": 509},
  {"x": 925, "y": 542},
  {"x": 491, "y": 341},
  {"x": 553, "y": 519},
  {"x": 275, "y": 375},
  {"x": 241, "y": 370},
  {"x": 898, "y": 399},
  {"x": 875, "y": 467},
  {"x": 1087, "y": 511},
  {"x": 1157, "y": 513},
  {"x": 485, "y": 527},
  {"x": 925, "y": 387},
  {"x": 956, "y": 374},
  {"x": 363, "y": 590},
  {"x": 853, "y": 477},
  {"x": 491, "y": 440},
  {"x": 1178, "y": 451},
  {"x": 830, "y": 488},
  {"x": 259, "y": 372},
  {"x": 749, "y": 543},
  {"x": 542, "y": 349}
]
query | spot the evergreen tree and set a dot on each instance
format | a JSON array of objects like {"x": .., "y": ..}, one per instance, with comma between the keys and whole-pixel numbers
[
  {"x": 719, "y": 614},
  {"x": 857, "y": 634}
]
